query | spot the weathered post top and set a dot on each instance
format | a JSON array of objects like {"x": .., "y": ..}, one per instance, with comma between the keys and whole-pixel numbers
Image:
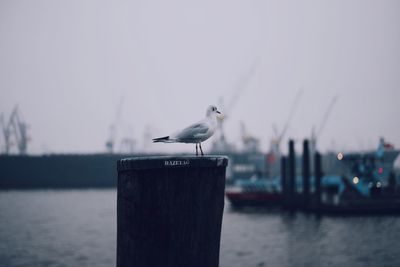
[
  {"x": 169, "y": 211},
  {"x": 158, "y": 162}
]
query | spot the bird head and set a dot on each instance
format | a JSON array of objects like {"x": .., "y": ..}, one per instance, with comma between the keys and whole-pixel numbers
[{"x": 212, "y": 111}]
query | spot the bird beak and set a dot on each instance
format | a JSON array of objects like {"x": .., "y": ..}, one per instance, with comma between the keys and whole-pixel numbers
[{"x": 219, "y": 115}]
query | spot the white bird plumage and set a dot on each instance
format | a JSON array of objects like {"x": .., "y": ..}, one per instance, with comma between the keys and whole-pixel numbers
[{"x": 195, "y": 133}]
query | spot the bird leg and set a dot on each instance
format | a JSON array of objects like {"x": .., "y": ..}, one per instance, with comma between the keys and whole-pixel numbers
[
  {"x": 201, "y": 150},
  {"x": 197, "y": 153}
]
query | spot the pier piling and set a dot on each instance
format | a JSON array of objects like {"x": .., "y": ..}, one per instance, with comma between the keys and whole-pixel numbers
[
  {"x": 306, "y": 175},
  {"x": 291, "y": 184},
  {"x": 318, "y": 177},
  {"x": 284, "y": 181},
  {"x": 169, "y": 211}
]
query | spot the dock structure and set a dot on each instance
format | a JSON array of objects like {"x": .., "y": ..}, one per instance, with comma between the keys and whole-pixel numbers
[
  {"x": 291, "y": 185},
  {"x": 327, "y": 197},
  {"x": 292, "y": 198},
  {"x": 318, "y": 179},
  {"x": 169, "y": 211},
  {"x": 306, "y": 175},
  {"x": 284, "y": 182}
]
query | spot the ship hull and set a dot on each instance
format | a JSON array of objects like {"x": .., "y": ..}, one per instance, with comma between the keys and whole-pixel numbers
[
  {"x": 254, "y": 199},
  {"x": 59, "y": 171}
]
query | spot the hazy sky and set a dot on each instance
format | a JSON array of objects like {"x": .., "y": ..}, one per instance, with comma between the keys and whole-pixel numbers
[{"x": 67, "y": 64}]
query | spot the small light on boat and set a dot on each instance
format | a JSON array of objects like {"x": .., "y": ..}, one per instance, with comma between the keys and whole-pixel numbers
[
  {"x": 339, "y": 156},
  {"x": 355, "y": 180},
  {"x": 378, "y": 184},
  {"x": 380, "y": 170}
]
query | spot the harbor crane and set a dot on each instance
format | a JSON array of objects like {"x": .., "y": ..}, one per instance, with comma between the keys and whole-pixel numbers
[
  {"x": 6, "y": 134},
  {"x": 277, "y": 139},
  {"x": 221, "y": 144},
  {"x": 126, "y": 144},
  {"x": 274, "y": 154},
  {"x": 316, "y": 132},
  {"x": 251, "y": 144},
  {"x": 15, "y": 129},
  {"x": 110, "y": 143}
]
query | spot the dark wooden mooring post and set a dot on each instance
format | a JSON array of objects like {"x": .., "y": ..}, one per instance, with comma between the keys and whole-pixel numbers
[
  {"x": 318, "y": 177},
  {"x": 169, "y": 211},
  {"x": 284, "y": 181},
  {"x": 306, "y": 175},
  {"x": 291, "y": 185}
]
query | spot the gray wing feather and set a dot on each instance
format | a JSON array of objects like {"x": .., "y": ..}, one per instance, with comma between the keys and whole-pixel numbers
[{"x": 192, "y": 131}]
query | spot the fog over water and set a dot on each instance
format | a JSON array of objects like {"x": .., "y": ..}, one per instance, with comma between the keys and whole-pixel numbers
[{"x": 67, "y": 64}]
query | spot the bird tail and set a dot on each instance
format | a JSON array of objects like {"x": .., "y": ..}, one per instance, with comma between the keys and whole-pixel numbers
[{"x": 164, "y": 139}]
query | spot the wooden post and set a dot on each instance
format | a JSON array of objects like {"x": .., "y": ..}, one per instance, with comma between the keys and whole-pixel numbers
[
  {"x": 306, "y": 175},
  {"x": 291, "y": 185},
  {"x": 169, "y": 211},
  {"x": 318, "y": 177},
  {"x": 284, "y": 181}
]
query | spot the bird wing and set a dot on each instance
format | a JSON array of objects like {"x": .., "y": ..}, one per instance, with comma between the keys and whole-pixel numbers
[{"x": 193, "y": 131}]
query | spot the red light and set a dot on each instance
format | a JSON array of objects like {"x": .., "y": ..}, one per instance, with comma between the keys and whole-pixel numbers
[{"x": 380, "y": 170}]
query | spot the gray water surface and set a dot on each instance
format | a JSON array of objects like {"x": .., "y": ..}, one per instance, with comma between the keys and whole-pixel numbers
[{"x": 78, "y": 228}]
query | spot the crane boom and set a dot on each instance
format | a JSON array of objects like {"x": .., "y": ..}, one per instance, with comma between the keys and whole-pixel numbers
[
  {"x": 291, "y": 113},
  {"x": 326, "y": 115},
  {"x": 114, "y": 126},
  {"x": 221, "y": 143},
  {"x": 241, "y": 85},
  {"x": 3, "y": 129},
  {"x": 19, "y": 129}
]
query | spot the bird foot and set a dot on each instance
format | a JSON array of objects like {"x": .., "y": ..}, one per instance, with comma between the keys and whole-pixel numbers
[{"x": 201, "y": 150}]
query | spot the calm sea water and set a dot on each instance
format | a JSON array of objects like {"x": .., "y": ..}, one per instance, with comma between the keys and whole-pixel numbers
[{"x": 78, "y": 228}]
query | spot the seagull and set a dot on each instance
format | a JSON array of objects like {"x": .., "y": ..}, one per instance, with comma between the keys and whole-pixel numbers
[{"x": 195, "y": 133}]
